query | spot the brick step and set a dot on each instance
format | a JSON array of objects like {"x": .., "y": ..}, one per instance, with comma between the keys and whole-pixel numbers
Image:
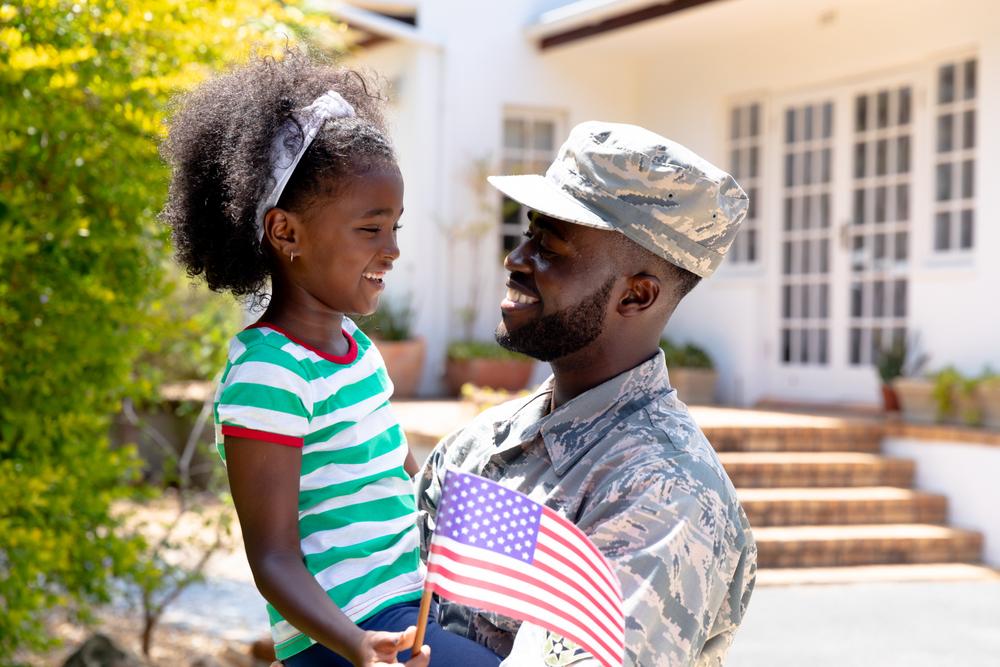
[
  {"x": 858, "y": 439},
  {"x": 811, "y": 469},
  {"x": 863, "y": 574},
  {"x": 844, "y": 505},
  {"x": 828, "y": 546}
]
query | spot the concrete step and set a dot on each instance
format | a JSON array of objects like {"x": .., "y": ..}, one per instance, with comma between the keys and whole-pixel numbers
[
  {"x": 864, "y": 574},
  {"x": 800, "y": 439},
  {"x": 841, "y": 505},
  {"x": 813, "y": 469},
  {"x": 829, "y": 546}
]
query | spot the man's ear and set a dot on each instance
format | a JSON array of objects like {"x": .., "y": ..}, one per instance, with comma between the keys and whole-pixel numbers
[
  {"x": 281, "y": 232},
  {"x": 643, "y": 289}
]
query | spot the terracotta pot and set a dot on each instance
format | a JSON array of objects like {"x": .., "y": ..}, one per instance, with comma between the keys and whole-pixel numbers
[
  {"x": 404, "y": 360},
  {"x": 890, "y": 400},
  {"x": 695, "y": 386},
  {"x": 509, "y": 374},
  {"x": 988, "y": 397},
  {"x": 916, "y": 399}
]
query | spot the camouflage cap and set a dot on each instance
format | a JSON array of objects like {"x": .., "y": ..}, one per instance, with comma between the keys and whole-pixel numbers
[{"x": 654, "y": 191}]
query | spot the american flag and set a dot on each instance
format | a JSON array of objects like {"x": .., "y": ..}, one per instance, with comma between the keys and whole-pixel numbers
[{"x": 495, "y": 549}]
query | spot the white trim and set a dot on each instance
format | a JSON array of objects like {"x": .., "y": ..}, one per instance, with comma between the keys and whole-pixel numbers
[
  {"x": 581, "y": 13},
  {"x": 377, "y": 24}
]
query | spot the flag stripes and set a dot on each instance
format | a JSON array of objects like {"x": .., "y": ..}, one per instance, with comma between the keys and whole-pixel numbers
[{"x": 523, "y": 602}]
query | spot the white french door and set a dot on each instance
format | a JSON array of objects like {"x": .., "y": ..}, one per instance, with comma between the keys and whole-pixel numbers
[{"x": 842, "y": 190}]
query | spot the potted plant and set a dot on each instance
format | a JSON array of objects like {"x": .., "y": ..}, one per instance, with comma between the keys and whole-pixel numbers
[
  {"x": 893, "y": 363},
  {"x": 987, "y": 392},
  {"x": 485, "y": 365},
  {"x": 899, "y": 368},
  {"x": 967, "y": 405},
  {"x": 403, "y": 353},
  {"x": 692, "y": 372},
  {"x": 945, "y": 390}
]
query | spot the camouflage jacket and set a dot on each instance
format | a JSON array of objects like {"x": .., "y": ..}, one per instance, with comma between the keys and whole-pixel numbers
[{"x": 627, "y": 464}]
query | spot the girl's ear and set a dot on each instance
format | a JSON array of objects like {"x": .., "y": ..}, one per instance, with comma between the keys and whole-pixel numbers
[{"x": 281, "y": 232}]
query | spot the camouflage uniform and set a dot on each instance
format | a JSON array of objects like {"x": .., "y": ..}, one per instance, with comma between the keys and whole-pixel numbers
[{"x": 627, "y": 464}]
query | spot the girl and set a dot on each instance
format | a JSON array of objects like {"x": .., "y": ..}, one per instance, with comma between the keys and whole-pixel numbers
[{"x": 282, "y": 173}]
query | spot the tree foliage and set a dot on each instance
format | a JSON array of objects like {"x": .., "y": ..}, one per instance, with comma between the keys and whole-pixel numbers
[{"x": 85, "y": 86}]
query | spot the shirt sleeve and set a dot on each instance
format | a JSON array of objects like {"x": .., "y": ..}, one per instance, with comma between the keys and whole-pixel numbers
[
  {"x": 682, "y": 556},
  {"x": 265, "y": 399}
]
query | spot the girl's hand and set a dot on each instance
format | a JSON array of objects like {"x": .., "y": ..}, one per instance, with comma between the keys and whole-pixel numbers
[{"x": 379, "y": 649}]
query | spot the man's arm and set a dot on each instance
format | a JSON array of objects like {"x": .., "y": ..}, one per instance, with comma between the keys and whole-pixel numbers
[
  {"x": 679, "y": 543},
  {"x": 683, "y": 567}
]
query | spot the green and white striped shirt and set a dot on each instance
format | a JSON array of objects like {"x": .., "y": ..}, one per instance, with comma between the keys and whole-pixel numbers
[{"x": 357, "y": 513}]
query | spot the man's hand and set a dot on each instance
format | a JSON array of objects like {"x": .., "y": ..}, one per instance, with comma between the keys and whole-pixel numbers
[{"x": 379, "y": 649}]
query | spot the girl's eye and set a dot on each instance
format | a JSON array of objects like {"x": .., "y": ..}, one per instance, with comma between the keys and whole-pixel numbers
[
  {"x": 397, "y": 227},
  {"x": 370, "y": 230}
]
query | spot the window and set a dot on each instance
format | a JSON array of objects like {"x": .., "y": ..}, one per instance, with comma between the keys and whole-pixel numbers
[
  {"x": 879, "y": 231},
  {"x": 807, "y": 185},
  {"x": 745, "y": 157},
  {"x": 529, "y": 144},
  {"x": 955, "y": 157}
]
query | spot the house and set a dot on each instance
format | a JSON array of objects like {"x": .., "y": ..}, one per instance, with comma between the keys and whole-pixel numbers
[{"x": 860, "y": 128}]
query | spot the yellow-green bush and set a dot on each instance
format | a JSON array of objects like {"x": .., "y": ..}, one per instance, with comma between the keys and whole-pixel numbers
[{"x": 84, "y": 87}]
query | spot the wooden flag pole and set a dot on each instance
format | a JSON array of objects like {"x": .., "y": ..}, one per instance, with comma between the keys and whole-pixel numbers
[{"x": 425, "y": 609}]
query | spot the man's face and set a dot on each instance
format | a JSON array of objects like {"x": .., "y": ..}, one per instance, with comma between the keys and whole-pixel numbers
[{"x": 558, "y": 290}]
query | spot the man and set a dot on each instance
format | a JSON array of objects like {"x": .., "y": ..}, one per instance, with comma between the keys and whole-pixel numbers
[{"x": 624, "y": 224}]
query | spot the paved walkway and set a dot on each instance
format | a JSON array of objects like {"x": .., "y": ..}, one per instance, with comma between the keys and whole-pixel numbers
[{"x": 872, "y": 625}]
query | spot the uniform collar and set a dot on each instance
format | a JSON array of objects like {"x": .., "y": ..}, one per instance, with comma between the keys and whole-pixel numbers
[{"x": 575, "y": 427}]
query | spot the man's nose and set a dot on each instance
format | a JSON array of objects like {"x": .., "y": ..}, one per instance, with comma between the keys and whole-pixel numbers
[{"x": 517, "y": 259}]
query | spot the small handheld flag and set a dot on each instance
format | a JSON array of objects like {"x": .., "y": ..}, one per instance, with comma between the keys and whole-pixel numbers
[{"x": 495, "y": 549}]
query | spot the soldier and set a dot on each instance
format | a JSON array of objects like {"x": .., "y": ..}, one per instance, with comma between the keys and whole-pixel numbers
[{"x": 623, "y": 225}]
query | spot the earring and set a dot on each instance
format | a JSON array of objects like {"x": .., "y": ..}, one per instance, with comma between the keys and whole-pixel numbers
[{"x": 291, "y": 256}]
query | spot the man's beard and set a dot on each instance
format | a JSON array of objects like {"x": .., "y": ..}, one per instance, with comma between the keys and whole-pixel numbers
[{"x": 562, "y": 333}]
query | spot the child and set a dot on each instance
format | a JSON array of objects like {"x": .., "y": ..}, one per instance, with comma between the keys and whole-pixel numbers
[{"x": 282, "y": 173}]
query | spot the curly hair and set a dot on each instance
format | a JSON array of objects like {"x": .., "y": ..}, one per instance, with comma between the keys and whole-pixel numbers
[{"x": 219, "y": 146}]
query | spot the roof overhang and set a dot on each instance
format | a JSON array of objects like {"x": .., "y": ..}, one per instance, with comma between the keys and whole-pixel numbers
[
  {"x": 366, "y": 27},
  {"x": 587, "y": 18}
]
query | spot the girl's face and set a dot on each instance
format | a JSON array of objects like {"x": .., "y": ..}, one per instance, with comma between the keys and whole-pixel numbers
[{"x": 347, "y": 243}]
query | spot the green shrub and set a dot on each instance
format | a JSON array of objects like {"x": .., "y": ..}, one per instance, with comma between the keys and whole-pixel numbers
[
  {"x": 685, "y": 356},
  {"x": 474, "y": 349},
  {"x": 84, "y": 88}
]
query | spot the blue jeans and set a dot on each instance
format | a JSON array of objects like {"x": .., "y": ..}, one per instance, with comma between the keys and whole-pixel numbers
[{"x": 446, "y": 648}]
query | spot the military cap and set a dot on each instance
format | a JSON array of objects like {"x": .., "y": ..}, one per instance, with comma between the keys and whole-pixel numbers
[{"x": 656, "y": 192}]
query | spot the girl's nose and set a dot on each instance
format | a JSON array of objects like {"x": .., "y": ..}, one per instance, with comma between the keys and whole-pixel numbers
[{"x": 391, "y": 249}]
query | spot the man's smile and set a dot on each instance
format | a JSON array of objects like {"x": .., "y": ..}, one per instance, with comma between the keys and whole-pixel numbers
[{"x": 518, "y": 298}]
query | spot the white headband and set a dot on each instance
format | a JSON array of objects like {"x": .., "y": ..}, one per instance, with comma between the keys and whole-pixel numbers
[{"x": 286, "y": 151}]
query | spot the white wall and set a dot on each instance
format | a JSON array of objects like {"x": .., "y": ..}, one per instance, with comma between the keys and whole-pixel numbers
[{"x": 967, "y": 474}]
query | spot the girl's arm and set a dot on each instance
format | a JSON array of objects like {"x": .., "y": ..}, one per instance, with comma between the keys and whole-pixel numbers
[
  {"x": 410, "y": 465},
  {"x": 264, "y": 480}
]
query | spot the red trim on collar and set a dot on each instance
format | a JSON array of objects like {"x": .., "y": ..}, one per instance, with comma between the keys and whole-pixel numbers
[{"x": 352, "y": 345}]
